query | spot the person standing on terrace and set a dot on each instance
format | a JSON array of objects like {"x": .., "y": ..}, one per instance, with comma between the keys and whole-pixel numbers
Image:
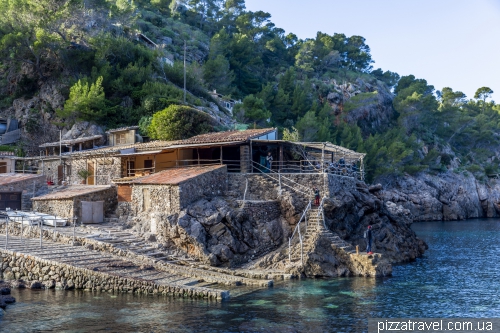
[{"x": 269, "y": 160}]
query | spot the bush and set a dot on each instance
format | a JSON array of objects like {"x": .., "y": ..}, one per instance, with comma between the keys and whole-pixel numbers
[{"x": 179, "y": 122}]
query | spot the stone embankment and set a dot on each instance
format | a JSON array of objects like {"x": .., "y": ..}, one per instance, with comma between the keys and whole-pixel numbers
[
  {"x": 106, "y": 245},
  {"x": 72, "y": 267}
]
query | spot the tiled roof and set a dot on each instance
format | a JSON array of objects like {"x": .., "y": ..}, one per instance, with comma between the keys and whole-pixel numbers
[
  {"x": 128, "y": 128},
  {"x": 9, "y": 178},
  {"x": 71, "y": 141},
  {"x": 228, "y": 136},
  {"x": 176, "y": 176},
  {"x": 144, "y": 146},
  {"x": 71, "y": 192}
]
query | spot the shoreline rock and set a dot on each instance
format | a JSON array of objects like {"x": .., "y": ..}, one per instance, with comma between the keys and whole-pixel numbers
[{"x": 444, "y": 197}]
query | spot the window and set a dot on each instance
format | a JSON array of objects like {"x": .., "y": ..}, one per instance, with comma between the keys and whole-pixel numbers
[
  {"x": 148, "y": 165},
  {"x": 121, "y": 138},
  {"x": 3, "y": 167},
  {"x": 130, "y": 168}
]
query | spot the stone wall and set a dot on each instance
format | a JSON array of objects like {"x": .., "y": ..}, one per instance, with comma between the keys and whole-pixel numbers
[
  {"x": 260, "y": 210},
  {"x": 54, "y": 274},
  {"x": 69, "y": 207},
  {"x": 337, "y": 184},
  {"x": 49, "y": 169},
  {"x": 29, "y": 188},
  {"x": 105, "y": 169},
  {"x": 259, "y": 188},
  {"x": 62, "y": 208},
  {"x": 208, "y": 185},
  {"x": 170, "y": 199},
  {"x": 158, "y": 197}
]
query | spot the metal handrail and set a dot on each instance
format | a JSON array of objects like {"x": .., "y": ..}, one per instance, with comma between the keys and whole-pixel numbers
[
  {"x": 297, "y": 230},
  {"x": 321, "y": 211},
  {"x": 280, "y": 176},
  {"x": 311, "y": 166}
]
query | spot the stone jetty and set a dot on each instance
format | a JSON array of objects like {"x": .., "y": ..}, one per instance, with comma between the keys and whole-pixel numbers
[{"x": 98, "y": 266}]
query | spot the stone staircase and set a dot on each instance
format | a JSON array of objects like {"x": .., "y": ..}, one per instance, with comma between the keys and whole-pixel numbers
[{"x": 316, "y": 226}]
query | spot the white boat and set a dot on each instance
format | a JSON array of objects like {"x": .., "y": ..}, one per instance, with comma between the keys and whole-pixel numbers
[
  {"x": 52, "y": 220},
  {"x": 23, "y": 217},
  {"x": 34, "y": 218}
]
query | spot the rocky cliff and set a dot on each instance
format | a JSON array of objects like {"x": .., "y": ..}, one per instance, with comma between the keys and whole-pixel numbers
[
  {"x": 447, "y": 196},
  {"x": 254, "y": 234}
]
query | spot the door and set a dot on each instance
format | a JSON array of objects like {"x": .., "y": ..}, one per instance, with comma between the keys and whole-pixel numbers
[
  {"x": 91, "y": 178},
  {"x": 92, "y": 211},
  {"x": 148, "y": 166},
  {"x": 10, "y": 200},
  {"x": 59, "y": 174}
]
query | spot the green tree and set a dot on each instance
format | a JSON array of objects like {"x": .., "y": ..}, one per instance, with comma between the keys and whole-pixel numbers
[
  {"x": 451, "y": 98},
  {"x": 218, "y": 75},
  {"x": 252, "y": 109},
  {"x": 291, "y": 135},
  {"x": 483, "y": 93},
  {"x": 85, "y": 102},
  {"x": 308, "y": 126},
  {"x": 179, "y": 122}
]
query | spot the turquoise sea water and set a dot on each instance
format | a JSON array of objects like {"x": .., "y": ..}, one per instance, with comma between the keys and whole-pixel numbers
[{"x": 457, "y": 277}]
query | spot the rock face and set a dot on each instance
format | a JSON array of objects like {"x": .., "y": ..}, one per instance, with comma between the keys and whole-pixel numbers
[
  {"x": 449, "y": 196},
  {"x": 85, "y": 129},
  {"x": 221, "y": 234},
  {"x": 223, "y": 230},
  {"x": 350, "y": 213}
]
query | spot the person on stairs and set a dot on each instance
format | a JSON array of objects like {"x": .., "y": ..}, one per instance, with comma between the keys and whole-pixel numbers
[
  {"x": 369, "y": 240},
  {"x": 316, "y": 196}
]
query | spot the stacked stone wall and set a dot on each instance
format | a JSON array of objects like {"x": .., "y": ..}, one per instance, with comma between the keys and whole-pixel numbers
[
  {"x": 55, "y": 274},
  {"x": 105, "y": 169},
  {"x": 62, "y": 208},
  {"x": 163, "y": 198},
  {"x": 337, "y": 184},
  {"x": 209, "y": 184},
  {"x": 69, "y": 207},
  {"x": 260, "y": 210}
]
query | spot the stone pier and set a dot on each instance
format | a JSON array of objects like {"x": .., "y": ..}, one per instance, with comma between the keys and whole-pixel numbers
[{"x": 75, "y": 267}]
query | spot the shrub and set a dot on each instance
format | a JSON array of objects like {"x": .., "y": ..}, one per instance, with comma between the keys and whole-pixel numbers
[{"x": 179, "y": 122}]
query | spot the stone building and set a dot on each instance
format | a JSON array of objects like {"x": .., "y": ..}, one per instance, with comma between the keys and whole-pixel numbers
[
  {"x": 67, "y": 203},
  {"x": 170, "y": 191},
  {"x": 16, "y": 189},
  {"x": 126, "y": 157}
]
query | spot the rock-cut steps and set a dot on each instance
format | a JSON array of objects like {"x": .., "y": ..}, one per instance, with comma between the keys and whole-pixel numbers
[{"x": 316, "y": 226}]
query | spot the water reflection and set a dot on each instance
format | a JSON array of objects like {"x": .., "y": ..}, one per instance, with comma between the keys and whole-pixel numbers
[{"x": 458, "y": 277}]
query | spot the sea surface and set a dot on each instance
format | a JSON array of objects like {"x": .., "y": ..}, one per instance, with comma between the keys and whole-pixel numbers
[{"x": 458, "y": 277}]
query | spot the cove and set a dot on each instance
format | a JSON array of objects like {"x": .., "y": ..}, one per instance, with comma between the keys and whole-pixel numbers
[{"x": 457, "y": 277}]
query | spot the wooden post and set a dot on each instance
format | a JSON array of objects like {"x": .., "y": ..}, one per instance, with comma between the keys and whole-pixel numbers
[
  {"x": 357, "y": 250},
  {"x": 251, "y": 157},
  {"x": 280, "y": 157},
  {"x": 220, "y": 154}
]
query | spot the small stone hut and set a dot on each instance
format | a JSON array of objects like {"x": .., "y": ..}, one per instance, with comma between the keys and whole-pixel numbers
[
  {"x": 171, "y": 190},
  {"x": 16, "y": 189},
  {"x": 67, "y": 203}
]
